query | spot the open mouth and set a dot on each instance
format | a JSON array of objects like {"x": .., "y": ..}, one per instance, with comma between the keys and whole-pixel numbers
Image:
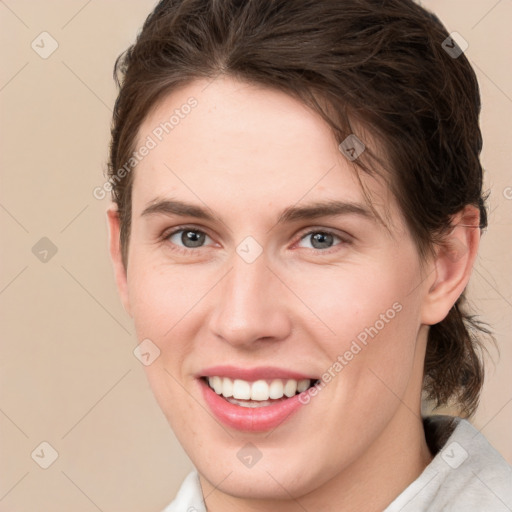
[{"x": 259, "y": 393}]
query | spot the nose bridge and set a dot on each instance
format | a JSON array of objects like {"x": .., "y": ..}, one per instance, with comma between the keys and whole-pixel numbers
[{"x": 250, "y": 307}]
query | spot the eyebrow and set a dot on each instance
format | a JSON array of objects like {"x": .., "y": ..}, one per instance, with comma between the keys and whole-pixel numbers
[{"x": 330, "y": 208}]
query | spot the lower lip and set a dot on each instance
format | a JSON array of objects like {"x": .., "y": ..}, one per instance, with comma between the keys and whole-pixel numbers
[{"x": 250, "y": 419}]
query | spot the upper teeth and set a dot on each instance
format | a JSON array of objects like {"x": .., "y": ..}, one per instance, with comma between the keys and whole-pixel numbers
[{"x": 257, "y": 390}]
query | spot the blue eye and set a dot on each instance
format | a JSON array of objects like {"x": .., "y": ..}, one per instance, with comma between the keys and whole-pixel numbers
[
  {"x": 189, "y": 237},
  {"x": 320, "y": 239}
]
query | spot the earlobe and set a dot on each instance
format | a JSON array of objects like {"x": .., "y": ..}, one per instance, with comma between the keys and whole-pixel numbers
[
  {"x": 453, "y": 265},
  {"x": 116, "y": 256}
]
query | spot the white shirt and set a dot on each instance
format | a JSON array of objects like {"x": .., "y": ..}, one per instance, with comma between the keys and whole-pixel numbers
[{"x": 466, "y": 474}]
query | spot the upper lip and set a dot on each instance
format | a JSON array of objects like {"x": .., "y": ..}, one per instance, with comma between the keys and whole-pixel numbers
[{"x": 253, "y": 374}]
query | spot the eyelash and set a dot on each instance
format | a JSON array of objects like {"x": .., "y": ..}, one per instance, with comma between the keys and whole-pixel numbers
[{"x": 186, "y": 250}]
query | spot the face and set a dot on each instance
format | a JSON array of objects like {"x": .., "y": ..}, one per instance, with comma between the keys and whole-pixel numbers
[{"x": 256, "y": 267}]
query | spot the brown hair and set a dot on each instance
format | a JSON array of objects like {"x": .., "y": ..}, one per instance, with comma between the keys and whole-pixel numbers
[{"x": 381, "y": 63}]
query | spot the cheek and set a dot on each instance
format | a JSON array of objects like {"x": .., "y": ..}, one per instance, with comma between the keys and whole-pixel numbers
[
  {"x": 163, "y": 302},
  {"x": 360, "y": 302},
  {"x": 368, "y": 330},
  {"x": 159, "y": 303},
  {"x": 162, "y": 296}
]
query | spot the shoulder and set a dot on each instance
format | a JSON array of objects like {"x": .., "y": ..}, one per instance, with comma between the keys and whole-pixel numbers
[
  {"x": 466, "y": 474},
  {"x": 189, "y": 497}
]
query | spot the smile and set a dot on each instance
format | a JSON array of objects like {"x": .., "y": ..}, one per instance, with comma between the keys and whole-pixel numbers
[
  {"x": 259, "y": 393},
  {"x": 251, "y": 403}
]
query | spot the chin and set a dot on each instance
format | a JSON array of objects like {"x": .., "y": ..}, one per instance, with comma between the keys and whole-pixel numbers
[
  {"x": 269, "y": 483},
  {"x": 291, "y": 471}
]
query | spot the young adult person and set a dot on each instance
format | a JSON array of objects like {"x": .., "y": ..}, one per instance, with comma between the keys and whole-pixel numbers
[{"x": 297, "y": 208}]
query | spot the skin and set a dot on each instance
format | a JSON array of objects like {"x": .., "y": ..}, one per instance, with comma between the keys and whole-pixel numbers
[{"x": 247, "y": 153}]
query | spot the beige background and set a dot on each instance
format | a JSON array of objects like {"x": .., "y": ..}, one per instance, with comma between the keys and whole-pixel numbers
[{"x": 68, "y": 373}]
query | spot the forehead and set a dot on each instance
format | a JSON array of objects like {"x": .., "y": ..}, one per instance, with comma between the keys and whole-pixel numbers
[{"x": 227, "y": 139}]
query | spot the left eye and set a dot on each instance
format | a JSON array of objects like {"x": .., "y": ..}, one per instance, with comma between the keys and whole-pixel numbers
[{"x": 321, "y": 239}]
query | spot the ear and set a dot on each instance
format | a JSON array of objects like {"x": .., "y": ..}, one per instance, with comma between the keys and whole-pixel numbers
[
  {"x": 116, "y": 255},
  {"x": 453, "y": 264}
]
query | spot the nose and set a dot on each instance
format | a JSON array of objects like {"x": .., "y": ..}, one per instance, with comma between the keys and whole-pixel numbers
[{"x": 252, "y": 307}]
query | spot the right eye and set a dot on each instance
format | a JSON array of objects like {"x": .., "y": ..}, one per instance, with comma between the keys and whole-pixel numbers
[{"x": 186, "y": 238}]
